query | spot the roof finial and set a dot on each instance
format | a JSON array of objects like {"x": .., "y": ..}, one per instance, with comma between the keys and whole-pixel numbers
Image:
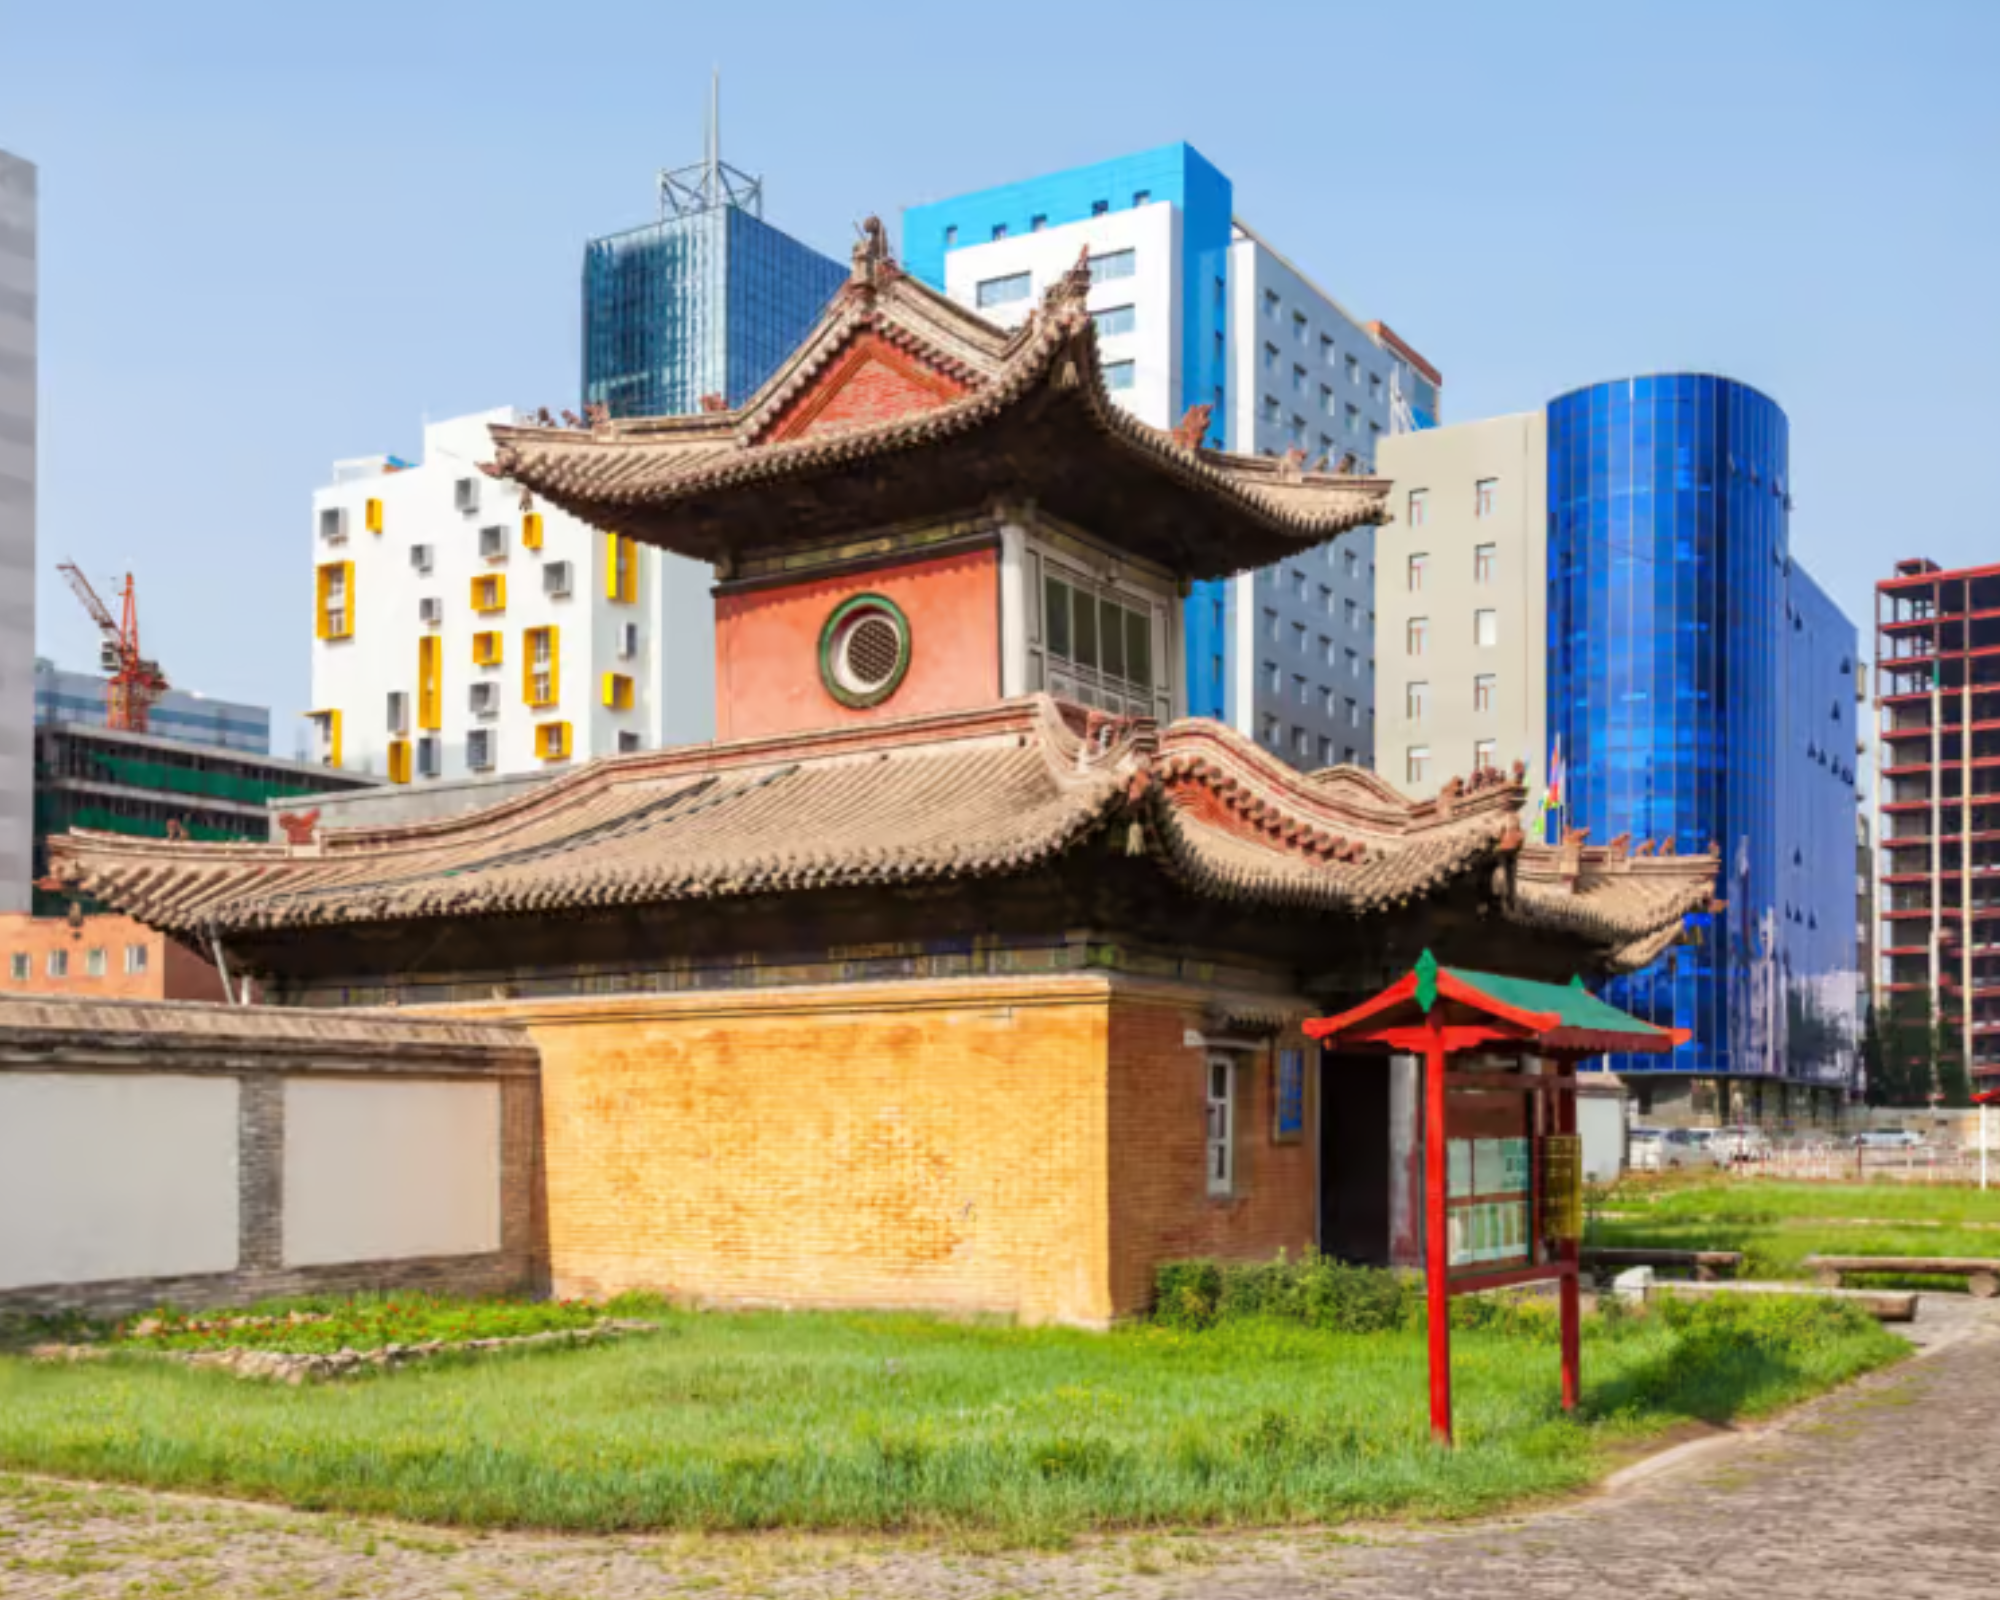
[{"x": 1427, "y": 980}]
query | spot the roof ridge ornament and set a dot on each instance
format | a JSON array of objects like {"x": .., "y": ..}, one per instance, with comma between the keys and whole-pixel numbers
[
  {"x": 1192, "y": 430},
  {"x": 871, "y": 266},
  {"x": 1069, "y": 294}
]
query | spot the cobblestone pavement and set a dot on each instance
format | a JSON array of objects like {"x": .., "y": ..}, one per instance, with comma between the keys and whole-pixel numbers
[{"x": 1886, "y": 1488}]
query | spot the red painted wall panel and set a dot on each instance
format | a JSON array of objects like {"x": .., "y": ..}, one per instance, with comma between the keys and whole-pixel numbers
[{"x": 767, "y": 646}]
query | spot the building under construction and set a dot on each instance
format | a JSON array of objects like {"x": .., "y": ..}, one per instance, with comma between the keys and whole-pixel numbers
[
  {"x": 1937, "y": 695},
  {"x": 140, "y": 783}
]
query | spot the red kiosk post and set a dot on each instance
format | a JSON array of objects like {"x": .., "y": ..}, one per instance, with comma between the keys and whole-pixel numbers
[
  {"x": 1503, "y": 1167},
  {"x": 1437, "y": 1227}
]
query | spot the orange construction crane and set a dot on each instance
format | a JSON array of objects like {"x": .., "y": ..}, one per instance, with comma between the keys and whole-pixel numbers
[{"x": 135, "y": 682}]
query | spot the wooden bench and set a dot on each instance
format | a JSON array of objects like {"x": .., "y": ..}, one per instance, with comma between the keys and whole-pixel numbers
[
  {"x": 1982, "y": 1277},
  {"x": 1704, "y": 1264},
  {"x": 1884, "y": 1305}
]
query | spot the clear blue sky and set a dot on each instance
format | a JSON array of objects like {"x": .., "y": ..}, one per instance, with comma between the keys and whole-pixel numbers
[{"x": 276, "y": 234}]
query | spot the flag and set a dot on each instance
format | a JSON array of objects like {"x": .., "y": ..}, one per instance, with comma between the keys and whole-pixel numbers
[{"x": 1552, "y": 792}]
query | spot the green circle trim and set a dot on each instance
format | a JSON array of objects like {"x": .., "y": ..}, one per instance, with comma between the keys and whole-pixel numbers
[{"x": 861, "y": 700}]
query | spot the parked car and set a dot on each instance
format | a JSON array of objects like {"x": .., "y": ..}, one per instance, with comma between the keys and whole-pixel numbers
[
  {"x": 1642, "y": 1149},
  {"x": 1889, "y": 1139},
  {"x": 1740, "y": 1144},
  {"x": 1686, "y": 1147}
]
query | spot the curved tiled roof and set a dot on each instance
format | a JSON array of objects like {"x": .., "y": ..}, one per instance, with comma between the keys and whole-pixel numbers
[
  {"x": 979, "y": 794},
  {"x": 1031, "y": 420}
]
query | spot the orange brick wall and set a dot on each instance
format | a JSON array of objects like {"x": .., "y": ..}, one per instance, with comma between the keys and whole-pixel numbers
[
  {"x": 1160, "y": 1206},
  {"x": 767, "y": 646},
  {"x": 938, "y": 1145},
  {"x": 172, "y": 972}
]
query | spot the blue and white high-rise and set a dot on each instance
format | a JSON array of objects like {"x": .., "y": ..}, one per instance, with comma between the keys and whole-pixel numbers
[{"x": 1194, "y": 307}]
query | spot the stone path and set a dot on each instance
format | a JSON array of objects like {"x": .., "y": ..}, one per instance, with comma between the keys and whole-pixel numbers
[{"x": 1885, "y": 1489}]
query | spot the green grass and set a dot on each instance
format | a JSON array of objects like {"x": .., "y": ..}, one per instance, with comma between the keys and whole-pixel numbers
[
  {"x": 1777, "y": 1225},
  {"x": 1763, "y": 1200},
  {"x": 906, "y": 1422}
]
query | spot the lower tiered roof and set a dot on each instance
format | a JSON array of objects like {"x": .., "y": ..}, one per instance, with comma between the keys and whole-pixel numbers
[{"x": 990, "y": 793}]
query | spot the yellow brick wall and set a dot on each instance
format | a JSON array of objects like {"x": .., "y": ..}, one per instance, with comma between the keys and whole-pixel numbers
[{"x": 900, "y": 1144}]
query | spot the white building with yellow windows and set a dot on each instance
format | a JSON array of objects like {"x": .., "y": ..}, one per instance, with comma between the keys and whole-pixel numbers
[{"x": 464, "y": 629}]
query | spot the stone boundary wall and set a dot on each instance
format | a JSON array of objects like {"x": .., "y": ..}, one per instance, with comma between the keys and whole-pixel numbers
[{"x": 80, "y": 1053}]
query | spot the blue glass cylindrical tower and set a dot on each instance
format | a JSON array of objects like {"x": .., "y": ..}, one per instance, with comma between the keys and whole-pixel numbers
[{"x": 1669, "y": 559}]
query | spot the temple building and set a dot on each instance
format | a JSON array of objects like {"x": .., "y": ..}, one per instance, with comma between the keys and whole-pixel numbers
[{"x": 958, "y": 973}]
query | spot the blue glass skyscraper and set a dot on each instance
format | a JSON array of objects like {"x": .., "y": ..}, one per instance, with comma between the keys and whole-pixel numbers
[
  {"x": 1701, "y": 686},
  {"x": 707, "y": 300}
]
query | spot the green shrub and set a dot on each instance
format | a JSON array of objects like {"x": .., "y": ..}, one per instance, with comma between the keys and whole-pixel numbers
[{"x": 1314, "y": 1291}]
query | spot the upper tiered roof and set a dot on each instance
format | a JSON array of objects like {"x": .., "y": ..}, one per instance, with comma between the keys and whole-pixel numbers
[{"x": 903, "y": 405}]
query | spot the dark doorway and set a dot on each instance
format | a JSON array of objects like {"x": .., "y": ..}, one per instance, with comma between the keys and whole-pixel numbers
[{"x": 1354, "y": 1158}]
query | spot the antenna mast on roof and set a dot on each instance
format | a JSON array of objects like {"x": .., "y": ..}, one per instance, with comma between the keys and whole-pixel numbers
[{"x": 688, "y": 191}]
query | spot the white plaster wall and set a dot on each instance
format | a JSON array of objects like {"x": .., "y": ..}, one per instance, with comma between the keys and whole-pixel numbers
[
  {"x": 673, "y": 673},
  {"x": 115, "y": 1176},
  {"x": 1152, "y": 233},
  {"x": 385, "y": 1171}
]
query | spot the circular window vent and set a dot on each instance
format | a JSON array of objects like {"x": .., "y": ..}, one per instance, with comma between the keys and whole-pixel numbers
[{"x": 864, "y": 650}]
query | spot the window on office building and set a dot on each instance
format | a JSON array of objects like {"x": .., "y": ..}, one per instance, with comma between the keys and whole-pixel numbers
[
  {"x": 1299, "y": 587},
  {"x": 950, "y": 237},
  {"x": 1270, "y": 729},
  {"x": 1299, "y": 637},
  {"x": 1114, "y": 320},
  {"x": 1326, "y": 350},
  {"x": 1300, "y": 331},
  {"x": 1416, "y": 702},
  {"x": 1417, "y": 763},
  {"x": 1351, "y": 610},
  {"x": 1302, "y": 745},
  {"x": 1120, "y": 374},
  {"x": 1301, "y": 691},
  {"x": 1354, "y": 713},
  {"x": 58, "y": 964},
  {"x": 1419, "y": 505},
  {"x": 1352, "y": 418},
  {"x": 1099, "y": 208},
  {"x": 1273, "y": 678},
  {"x": 1271, "y": 625},
  {"x": 1354, "y": 663},
  {"x": 1326, "y": 651},
  {"x": 1272, "y": 410},
  {"x": 1141, "y": 197},
  {"x": 999, "y": 230},
  {"x": 1351, "y": 563},
  {"x": 1485, "y": 558},
  {"x": 1326, "y": 599},
  {"x": 1270, "y": 358},
  {"x": 1353, "y": 370},
  {"x": 1374, "y": 386},
  {"x": 1005, "y": 291},
  {"x": 1482, "y": 691},
  {"x": 1113, "y": 264},
  {"x": 1327, "y": 403},
  {"x": 1298, "y": 379},
  {"x": 1419, "y": 565},
  {"x": 1325, "y": 750},
  {"x": 1038, "y": 222},
  {"x": 1483, "y": 755},
  {"x": 1417, "y": 635},
  {"x": 1270, "y": 302},
  {"x": 1486, "y": 629},
  {"x": 1482, "y": 496},
  {"x": 1328, "y": 700}
]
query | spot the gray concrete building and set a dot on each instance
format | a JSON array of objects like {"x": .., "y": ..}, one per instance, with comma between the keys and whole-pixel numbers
[
  {"x": 1461, "y": 603},
  {"x": 17, "y": 528}
]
